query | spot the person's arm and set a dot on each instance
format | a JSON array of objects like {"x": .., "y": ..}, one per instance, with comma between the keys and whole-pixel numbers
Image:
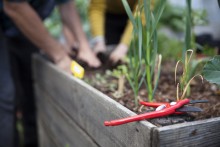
[
  {"x": 28, "y": 21},
  {"x": 96, "y": 13},
  {"x": 71, "y": 19},
  {"x": 69, "y": 40},
  {"x": 122, "y": 48}
]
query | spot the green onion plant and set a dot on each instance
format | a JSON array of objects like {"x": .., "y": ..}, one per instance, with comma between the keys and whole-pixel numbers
[
  {"x": 188, "y": 29},
  {"x": 186, "y": 76},
  {"x": 143, "y": 48},
  {"x": 189, "y": 70}
]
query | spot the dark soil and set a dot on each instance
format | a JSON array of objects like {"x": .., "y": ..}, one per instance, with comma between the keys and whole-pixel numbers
[{"x": 166, "y": 92}]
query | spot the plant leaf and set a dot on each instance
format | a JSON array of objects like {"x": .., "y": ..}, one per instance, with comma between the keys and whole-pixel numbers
[
  {"x": 188, "y": 31},
  {"x": 211, "y": 71},
  {"x": 159, "y": 13},
  {"x": 139, "y": 22},
  {"x": 129, "y": 13}
]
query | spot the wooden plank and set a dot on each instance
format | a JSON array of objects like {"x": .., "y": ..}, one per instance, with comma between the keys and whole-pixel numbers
[
  {"x": 60, "y": 126},
  {"x": 45, "y": 136},
  {"x": 89, "y": 108},
  {"x": 202, "y": 133},
  {"x": 44, "y": 139}
]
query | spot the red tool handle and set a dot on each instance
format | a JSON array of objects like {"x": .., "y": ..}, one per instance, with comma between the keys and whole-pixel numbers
[
  {"x": 155, "y": 105},
  {"x": 164, "y": 112}
]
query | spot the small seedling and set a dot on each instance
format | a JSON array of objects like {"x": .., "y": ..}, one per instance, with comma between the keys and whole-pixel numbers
[{"x": 120, "y": 74}]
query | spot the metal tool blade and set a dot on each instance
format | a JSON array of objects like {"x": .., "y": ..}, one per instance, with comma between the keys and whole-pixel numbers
[
  {"x": 189, "y": 109},
  {"x": 198, "y": 101}
]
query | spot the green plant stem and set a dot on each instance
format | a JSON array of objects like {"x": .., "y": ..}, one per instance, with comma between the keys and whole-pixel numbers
[
  {"x": 148, "y": 49},
  {"x": 188, "y": 33},
  {"x": 136, "y": 93},
  {"x": 149, "y": 83},
  {"x": 136, "y": 99}
]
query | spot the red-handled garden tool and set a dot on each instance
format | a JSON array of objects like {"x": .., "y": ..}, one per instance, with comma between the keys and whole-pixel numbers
[{"x": 162, "y": 109}]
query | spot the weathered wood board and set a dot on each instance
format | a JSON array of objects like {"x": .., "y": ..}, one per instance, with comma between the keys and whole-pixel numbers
[
  {"x": 89, "y": 108},
  {"x": 81, "y": 108},
  {"x": 46, "y": 140},
  {"x": 205, "y": 133},
  {"x": 57, "y": 124}
]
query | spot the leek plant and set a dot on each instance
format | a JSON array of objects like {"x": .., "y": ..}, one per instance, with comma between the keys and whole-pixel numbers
[
  {"x": 187, "y": 45},
  {"x": 136, "y": 73},
  {"x": 189, "y": 69},
  {"x": 188, "y": 29},
  {"x": 185, "y": 78},
  {"x": 143, "y": 48}
]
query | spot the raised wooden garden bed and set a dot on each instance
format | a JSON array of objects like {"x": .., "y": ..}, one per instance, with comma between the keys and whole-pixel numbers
[{"x": 71, "y": 114}]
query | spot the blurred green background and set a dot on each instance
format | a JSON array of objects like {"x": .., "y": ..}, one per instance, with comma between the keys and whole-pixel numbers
[{"x": 171, "y": 27}]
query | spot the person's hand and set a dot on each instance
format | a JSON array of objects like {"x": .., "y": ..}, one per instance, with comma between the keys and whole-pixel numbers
[
  {"x": 99, "y": 47},
  {"x": 89, "y": 57},
  {"x": 61, "y": 58},
  {"x": 65, "y": 63},
  {"x": 119, "y": 53}
]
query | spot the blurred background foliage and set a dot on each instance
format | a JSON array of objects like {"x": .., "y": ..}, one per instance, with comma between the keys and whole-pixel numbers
[
  {"x": 53, "y": 23},
  {"x": 171, "y": 26},
  {"x": 173, "y": 17}
]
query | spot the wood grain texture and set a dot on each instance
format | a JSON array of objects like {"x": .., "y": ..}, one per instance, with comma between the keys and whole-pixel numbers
[
  {"x": 89, "y": 108},
  {"x": 205, "y": 133},
  {"x": 45, "y": 136},
  {"x": 59, "y": 127}
]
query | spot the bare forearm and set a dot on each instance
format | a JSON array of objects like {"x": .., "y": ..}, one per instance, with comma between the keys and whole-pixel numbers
[
  {"x": 71, "y": 19},
  {"x": 32, "y": 27}
]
